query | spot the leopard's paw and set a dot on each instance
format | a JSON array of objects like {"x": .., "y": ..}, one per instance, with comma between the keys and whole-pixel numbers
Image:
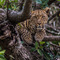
[
  {"x": 27, "y": 37},
  {"x": 39, "y": 36}
]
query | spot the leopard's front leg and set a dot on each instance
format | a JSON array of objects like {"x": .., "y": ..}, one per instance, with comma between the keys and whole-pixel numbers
[
  {"x": 39, "y": 36},
  {"x": 26, "y": 35}
]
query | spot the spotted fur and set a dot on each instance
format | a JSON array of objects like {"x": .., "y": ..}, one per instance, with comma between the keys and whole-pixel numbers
[{"x": 34, "y": 25}]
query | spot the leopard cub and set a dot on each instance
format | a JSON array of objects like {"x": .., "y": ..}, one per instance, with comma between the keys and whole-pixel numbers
[{"x": 34, "y": 25}]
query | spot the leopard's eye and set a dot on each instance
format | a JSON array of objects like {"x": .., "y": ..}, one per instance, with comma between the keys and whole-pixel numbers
[
  {"x": 43, "y": 16},
  {"x": 34, "y": 16}
]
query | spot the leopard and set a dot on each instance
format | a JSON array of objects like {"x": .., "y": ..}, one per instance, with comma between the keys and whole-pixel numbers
[{"x": 35, "y": 26}]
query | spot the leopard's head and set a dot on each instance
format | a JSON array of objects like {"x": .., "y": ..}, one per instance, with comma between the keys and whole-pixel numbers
[{"x": 40, "y": 17}]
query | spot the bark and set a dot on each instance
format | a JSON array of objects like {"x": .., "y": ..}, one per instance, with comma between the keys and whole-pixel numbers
[
  {"x": 10, "y": 40},
  {"x": 16, "y": 17},
  {"x": 52, "y": 28},
  {"x": 51, "y": 38},
  {"x": 20, "y": 3},
  {"x": 53, "y": 16},
  {"x": 21, "y": 51}
]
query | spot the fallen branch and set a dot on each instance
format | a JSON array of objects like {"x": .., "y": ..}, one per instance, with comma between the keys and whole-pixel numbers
[
  {"x": 51, "y": 38},
  {"x": 54, "y": 45},
  {"x": 53, "y": 15},
  {"x": 52, "y": 32},
  {"x": 52, "y": 28},
  {"x": 47, "y": 38}
]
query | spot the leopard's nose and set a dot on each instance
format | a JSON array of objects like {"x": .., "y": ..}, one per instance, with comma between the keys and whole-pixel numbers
[{"x": 39, "y": 26}]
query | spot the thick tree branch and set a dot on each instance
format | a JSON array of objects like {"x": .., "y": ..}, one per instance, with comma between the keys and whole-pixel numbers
[
  {"x": 16, "y": 17},
  {"x": 51, "y": 38},
  {"x": 48, "y": 38}
]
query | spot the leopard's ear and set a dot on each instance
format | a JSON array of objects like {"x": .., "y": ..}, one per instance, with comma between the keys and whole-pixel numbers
[{"x": 47, "y": 9}]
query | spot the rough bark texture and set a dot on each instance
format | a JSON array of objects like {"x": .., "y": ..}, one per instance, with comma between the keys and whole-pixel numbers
[
  {"x": 16, "y": 17},
  {"x": 10, "y": 40},
  {"x": 51, "y": 38},
  {"x": 20, "y": 3},
  {"x": 9, "y": 37},
  {"x": 57, "y": 13}
]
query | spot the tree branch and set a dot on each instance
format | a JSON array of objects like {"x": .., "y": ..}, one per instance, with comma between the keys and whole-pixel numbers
[
  {"x": 16, "y": 17},
  {"x": 48, "y": 38},
  {"x": 53, "y": 15},
  {"x": 52, "y": 32},
  {"x": 52, "y": 28},
  {"x": 51, "y": 38},
  {"x": 54, "y": 45}
]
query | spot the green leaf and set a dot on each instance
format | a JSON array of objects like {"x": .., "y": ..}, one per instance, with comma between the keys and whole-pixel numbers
[
  {"x": 36, "y": 45},
  {"x": 51, "y": 56},
  {"x": 58, "y": 0},
  {"x": 33, "y": 49},
  {"x": 22, "y": 42},
  {"x": 19, "y": 25},
  {"x": 2, "y": 57},
  {"x": 46, "y": 56},
  {"x": 40, "y": 52},
  {"x": 39, "y": 1},
  {"x": 2, "y": 52},
  {"x": 0, "y": 48},
  {"x": 42, "y": 42},
  {"x": 41, "y": 47},
  {"x": 11, "y": 56}
]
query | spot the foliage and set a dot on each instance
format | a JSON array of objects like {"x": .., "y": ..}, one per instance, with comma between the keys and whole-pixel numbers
[
  {"x": 58, "y": 0},
  {"x": 1, "y": 3},
  {"x": 2, "y": 54},
  {"x": 11, "y": 4},
  {"x": 43, "y": 3},
  {"x": 43, "y": 48}
]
